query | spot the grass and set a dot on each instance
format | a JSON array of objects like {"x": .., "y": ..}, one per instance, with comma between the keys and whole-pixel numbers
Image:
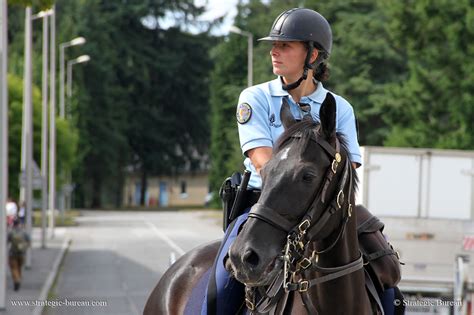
[{"x": 66, "y": 219}]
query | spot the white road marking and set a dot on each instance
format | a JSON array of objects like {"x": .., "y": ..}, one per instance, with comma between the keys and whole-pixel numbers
[
  {"x": 131, "y": 304},
  {"x": 165, "y": 238}
]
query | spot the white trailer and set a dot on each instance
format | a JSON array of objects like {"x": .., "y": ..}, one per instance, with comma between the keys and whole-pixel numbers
[
  {"x": 424, "y": 183},
  {"x": 425, "y": 197}
]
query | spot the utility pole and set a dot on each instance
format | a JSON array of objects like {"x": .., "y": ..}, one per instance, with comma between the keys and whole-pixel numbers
[
  {"x": 26, "y": 192},
  {"x": 3, "y": 148},
  {"x": 44, "y": 133},
  {"x": 52, "y": 125}
]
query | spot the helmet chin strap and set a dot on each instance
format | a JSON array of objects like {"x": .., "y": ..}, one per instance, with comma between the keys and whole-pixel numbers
[{"x": 307, "y": 66}]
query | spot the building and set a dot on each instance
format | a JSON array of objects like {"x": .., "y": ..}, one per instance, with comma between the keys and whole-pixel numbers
[{"x": 187, "y": 189}]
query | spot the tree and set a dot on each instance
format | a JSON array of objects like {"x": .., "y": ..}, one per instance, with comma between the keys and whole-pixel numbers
[
  {"x": 66, "y": 136},
  {"x": 141, "y": 95},
  {"x": 433, "y": 107}
]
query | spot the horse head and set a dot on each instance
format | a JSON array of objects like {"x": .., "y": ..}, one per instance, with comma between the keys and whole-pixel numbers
[{"x": 299, "y": 183}]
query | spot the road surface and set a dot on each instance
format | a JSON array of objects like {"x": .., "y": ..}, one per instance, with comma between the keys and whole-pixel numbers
[{"x": 116, "y": 258}]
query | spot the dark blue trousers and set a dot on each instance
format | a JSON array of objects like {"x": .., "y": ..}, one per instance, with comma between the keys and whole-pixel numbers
[{"x": 228, "y": 295}]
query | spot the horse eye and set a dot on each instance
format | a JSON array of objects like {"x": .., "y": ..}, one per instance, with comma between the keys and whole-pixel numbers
[{"x": 308, "y": 177}]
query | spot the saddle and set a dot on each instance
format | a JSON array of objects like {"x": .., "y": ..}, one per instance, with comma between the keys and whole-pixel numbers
[{"x": 381, "y": 261}]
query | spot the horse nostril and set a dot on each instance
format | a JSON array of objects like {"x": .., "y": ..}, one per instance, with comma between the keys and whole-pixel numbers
[{"x": 251, "y": 258}]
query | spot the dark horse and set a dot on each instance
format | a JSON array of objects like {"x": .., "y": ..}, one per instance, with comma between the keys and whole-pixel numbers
[
  {"x": 298, "y": 252},
  {"x": 306, "y": 209}
]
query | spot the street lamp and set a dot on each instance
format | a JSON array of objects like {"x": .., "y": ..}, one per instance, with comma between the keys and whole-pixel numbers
[
  {"x": 62, "y": 47},
  {"x": 26, "y": 191},
  {"x": 70, "y": 63},
  {"x": 44, "y": 125},
  {"x": 52, "y": 127},
  {"x": 236, "y": 30},
  {"x": 3, "y": 147}
]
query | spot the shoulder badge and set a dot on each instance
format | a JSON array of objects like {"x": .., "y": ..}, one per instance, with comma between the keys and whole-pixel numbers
[{"x": 244, "y": 112}]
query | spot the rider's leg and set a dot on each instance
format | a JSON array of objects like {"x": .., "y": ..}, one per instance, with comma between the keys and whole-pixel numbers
[
  {"x": 388, "y": 301},
  {"x": 224, "y": 294}
]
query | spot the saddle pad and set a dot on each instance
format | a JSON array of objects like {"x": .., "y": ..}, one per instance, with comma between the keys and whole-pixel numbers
[{"x": 194, "y": 304}]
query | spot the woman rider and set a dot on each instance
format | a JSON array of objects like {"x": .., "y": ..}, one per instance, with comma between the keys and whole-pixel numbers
[{"x": 301, "y": 45}]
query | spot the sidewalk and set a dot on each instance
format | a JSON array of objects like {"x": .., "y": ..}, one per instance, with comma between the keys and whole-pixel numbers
[{"x": 37, "y": 281}]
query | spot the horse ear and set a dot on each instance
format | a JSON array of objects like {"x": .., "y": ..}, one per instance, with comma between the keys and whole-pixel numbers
[
  {"x": 286, "y": 116},
  {"x": 327, "y": 115}
]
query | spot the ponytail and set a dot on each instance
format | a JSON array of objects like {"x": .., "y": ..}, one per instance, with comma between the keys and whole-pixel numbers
[
  {"x": 321, "y": 71},
  {"x": 320, "y": 65}
]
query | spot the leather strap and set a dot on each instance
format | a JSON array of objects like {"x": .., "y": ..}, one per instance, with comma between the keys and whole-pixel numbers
[
  {"x": 270, "y": 216},
  {"x": 378, "y": 254},
  {"x": 272, "y": 295},
  {"x": 340, "y": 271},
  {"x": 343, "y": 270},
  {"x": 308, "y": 303},
  {"x": 372, "y": 291}
]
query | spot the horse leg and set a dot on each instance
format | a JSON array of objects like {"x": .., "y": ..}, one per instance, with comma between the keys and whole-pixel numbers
[{"x": 175, "y": 286}]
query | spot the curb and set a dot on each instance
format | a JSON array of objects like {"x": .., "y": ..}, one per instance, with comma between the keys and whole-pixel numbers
[{"x": 52, "y": 275}]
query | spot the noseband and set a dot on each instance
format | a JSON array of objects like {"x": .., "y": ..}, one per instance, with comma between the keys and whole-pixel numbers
[{"x": 308, "y": 230}]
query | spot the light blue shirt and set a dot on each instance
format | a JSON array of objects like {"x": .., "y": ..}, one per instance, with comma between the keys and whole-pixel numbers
[{"x": 264, "y": 126}]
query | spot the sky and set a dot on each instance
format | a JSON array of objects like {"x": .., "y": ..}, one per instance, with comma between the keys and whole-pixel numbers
[{"x": 214, "y": 9}]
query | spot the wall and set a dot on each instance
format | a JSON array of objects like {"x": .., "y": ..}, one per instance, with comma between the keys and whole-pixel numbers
[{"x": 166, "y": 191}]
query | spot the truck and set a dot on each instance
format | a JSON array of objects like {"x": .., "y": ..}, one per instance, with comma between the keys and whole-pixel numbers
[{"x": 425, "y": 197}]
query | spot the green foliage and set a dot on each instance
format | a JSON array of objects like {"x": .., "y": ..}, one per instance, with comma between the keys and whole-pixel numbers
[
  {"x": 142, "y": 100},
  {"x": 146, "y": 101},
  {"x": 41, "y": 4},
  {"x": 15, "y": 112},
  {"x": 434, "y": 106},
  {"x": 66, "y": 137}
]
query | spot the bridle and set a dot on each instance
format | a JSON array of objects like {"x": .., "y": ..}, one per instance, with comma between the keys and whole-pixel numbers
[{"x": 295, "y": 263}]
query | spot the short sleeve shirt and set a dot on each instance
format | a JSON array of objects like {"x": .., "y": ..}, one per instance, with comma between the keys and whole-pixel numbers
[{"x": 261, "y": 125}]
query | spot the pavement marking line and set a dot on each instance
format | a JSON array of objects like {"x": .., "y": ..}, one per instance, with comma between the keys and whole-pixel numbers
[
  {"x": 52, "y": 275},
  {"x": 165, "y": 238},
  {"x": 132, "y": 305}
]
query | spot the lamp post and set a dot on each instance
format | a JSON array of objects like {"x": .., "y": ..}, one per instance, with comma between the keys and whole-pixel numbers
[
  {"x": 3, "y": 147},
  {"x": 44, "y": 125},
  {"x": 62, "y": 47},
  {"x": 52, "y": 126},
  {"x": 27, "y": 130},
  {"x": 236, "y": 30},
  {"x": 70, "y": 63},
  {"x": 26, "y": 191}
]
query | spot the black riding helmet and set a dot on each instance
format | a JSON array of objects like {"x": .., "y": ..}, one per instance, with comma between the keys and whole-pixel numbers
[{"x": 303, "y": 25}]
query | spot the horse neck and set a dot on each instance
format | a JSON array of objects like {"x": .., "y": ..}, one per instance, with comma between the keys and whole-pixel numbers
[
  {"x": 345, "y": 250},
  {"x": 346, "y": 294}
]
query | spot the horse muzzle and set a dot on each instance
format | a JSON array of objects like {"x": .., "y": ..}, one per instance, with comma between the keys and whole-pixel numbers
[{"x": 248, "y": 267}]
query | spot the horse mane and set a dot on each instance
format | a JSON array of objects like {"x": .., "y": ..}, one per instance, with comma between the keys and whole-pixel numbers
[{"x": 304, "y": 130}]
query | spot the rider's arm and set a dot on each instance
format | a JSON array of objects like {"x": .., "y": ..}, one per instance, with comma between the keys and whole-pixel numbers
[
  {"x": 260, "y": 156},
  {"x": 255, "y": 133},
  {"x": 346, "y": 124}
]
